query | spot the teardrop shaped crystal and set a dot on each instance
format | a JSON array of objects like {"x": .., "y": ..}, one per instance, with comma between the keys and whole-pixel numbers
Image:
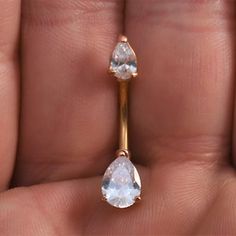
[
  {"x": 123, "y": 61},
  {"x": 121, "y": 184}
]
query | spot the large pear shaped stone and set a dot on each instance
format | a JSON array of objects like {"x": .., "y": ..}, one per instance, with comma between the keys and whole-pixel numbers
[
  {"x": 121, "y": 184},
  {"x": 123, "y": 61}
]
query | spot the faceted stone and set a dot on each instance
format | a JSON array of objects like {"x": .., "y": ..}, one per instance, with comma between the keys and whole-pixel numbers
[
  {"x": 123, "y": 61},
  {"x": 121, "y": 184}
]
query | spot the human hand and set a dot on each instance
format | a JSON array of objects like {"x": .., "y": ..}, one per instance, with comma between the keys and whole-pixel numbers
[{"x": 181, "y": 116}]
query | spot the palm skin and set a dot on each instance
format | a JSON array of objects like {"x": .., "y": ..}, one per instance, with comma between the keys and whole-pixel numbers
[{"x": 181, "y": 117}]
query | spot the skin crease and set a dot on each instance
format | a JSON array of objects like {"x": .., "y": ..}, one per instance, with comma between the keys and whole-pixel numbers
[{"x": 181, "y": 116}]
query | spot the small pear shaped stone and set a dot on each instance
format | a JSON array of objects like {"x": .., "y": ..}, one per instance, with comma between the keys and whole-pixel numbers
[
  {"x": 121, "y": 184},
  {"x": 123, "y": 61}
]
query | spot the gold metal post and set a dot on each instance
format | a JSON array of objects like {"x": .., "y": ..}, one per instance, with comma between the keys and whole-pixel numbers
[{"x": 123, "y": 95}]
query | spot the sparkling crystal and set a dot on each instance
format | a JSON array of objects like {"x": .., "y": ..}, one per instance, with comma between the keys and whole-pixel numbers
[
  {"x": 123, "y": 61},
  {"x": 121, "y": 184}
]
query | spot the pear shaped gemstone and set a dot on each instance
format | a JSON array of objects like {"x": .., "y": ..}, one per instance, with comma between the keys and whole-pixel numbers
[
  {"x": 123, "y": 61},
  {"x": 121, "y": 184}
]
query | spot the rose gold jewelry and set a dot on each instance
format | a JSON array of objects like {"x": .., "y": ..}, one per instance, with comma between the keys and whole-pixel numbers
[{"x": 121, "y": 185}]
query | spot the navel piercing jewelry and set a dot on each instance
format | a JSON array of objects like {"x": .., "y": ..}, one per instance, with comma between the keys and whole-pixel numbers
[{"x": 121, "y": 185}]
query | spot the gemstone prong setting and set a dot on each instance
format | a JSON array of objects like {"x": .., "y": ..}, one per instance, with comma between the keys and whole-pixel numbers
[
  {"x": 123, "y": 38},
  {"x": 134, "y": 75}
]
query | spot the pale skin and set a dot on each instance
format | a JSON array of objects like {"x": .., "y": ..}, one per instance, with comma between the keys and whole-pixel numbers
[{"x": 59, "y": 126}]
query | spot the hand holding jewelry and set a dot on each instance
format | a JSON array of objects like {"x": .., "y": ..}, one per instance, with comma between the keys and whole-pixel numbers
[{"x": 121, "y": 185}]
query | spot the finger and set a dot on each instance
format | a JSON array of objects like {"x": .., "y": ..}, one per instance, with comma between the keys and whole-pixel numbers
[
  {"x": 9, "y": 81},
  {"x": 69, "y": 102},
  {"x": 182, "y": 102},
  {"x": 70, "y": 207},
  {"x": 49, "y": 209},
  {"x": 219, "y": 219},
  {"x": 75, "y": 207}
]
